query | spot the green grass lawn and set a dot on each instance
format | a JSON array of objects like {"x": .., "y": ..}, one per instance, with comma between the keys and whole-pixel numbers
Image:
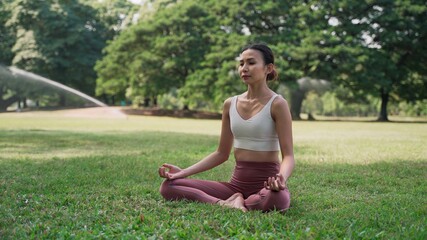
[{"x": 97, "y": 178}]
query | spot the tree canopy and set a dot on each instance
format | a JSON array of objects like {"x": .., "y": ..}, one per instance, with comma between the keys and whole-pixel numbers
[
  {"x": 60, "y": 40},
  {"x": 365, "y": 49},
  {"x": 388, "y": 43}
]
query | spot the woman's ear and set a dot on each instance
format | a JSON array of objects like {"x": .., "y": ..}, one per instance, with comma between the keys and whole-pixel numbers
[{"x": 270, "y": 68}]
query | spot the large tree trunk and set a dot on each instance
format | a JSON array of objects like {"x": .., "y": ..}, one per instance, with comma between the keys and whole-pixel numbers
[
  {"x": 384, "y": 101},
  {"x": 24, "y": 103},
  {"x": 4, "y": 103},
  {"x": 297, "y": 97}
]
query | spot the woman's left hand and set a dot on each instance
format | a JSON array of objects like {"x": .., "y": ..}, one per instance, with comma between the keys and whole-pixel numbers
[{"x": 276, "y": 183}]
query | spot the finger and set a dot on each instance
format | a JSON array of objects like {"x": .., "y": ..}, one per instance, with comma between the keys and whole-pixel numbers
[
  {"x": 170, "y": 176},
  {"x": 167, "y": 165},
  {"x": 162, "y": 172},
  {"x": 282, "y": 182},
  {"x": 272, "y": 185},
  {"x": 266, "y": 185},
  {"x": 282, "y": 185},
  {"x": 276, "y": 185}
]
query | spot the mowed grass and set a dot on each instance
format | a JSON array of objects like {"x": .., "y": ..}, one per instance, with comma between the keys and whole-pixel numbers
[{"x": 97, "y": 178}]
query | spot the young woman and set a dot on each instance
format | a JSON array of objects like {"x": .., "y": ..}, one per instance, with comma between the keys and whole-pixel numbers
[{"x": 258, "y": 124}]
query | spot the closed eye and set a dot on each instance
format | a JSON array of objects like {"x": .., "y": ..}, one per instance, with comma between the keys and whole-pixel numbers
[{"x": 249, "y": 62}]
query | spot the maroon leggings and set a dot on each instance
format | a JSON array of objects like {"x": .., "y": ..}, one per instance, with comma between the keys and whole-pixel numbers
[{"x": 248, "y": 179}]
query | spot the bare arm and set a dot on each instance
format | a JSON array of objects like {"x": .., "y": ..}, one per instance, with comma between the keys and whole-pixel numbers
[
  {"x": 283, "y": 119},
  {"x": 212, "y": 160}
]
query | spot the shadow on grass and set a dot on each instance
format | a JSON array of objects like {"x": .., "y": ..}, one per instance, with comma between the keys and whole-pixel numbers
[{"x": 114, "y": 193}]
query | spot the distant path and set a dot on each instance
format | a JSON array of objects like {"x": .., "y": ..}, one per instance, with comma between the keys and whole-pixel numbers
[
  {"x": 93, "y": 112},
  {"x": 171, "y": 113},
  {"x": 119, "y": 112},
  {"x": 124, "y": 112},
  {"x": 90, "y": 112}
]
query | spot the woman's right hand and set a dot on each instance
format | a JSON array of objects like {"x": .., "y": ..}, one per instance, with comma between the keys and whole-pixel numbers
[
  {"x": 276, "y": 183},
  {"x": 170, "y": 172}
]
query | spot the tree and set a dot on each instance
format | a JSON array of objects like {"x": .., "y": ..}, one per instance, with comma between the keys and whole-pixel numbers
[
  {"x": 388, "y": 42},
  {"x": 7, "y": 95},
  {"x": 19, "y": 86},
  {"x": 60, "y": 40},
  {"x": 192, "y": 46},
  {"x": 7, "y": 37},
  {"x": 294, "y": 30},
  {"x": 114, "y": 15},
  {"x": 211, "y": 40},
  {"x": 156, "y": 54}
]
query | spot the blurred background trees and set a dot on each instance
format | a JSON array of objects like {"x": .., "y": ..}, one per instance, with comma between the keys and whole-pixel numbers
[{"x": 334, "y": 58}]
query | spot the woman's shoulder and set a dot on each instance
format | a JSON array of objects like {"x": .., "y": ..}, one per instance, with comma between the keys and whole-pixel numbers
[
  {"x": 227, "y": 103},
  {"x": 230, "y": 99},
  {"x": 279, "y": 99},
  {"x": 279, "y": 103}
]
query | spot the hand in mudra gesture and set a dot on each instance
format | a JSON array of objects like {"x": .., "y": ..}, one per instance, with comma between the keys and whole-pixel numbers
[
  {"x": 170, "y": 172},
  {"x": 276, "y": 183}
]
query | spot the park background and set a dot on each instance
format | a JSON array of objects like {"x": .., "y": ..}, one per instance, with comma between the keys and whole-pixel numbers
[
  {"x": 91, "y": 173},
  {"x": 334, "y": 58}
]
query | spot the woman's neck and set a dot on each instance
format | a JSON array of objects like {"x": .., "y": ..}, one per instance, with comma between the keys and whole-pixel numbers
[{"x": 258, "y": 91}]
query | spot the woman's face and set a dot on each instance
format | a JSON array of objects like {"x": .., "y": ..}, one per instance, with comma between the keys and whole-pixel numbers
[{"x": 252, "y": 67}]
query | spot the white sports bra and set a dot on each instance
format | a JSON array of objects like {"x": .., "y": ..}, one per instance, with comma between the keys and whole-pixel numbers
[{"x": 257, "y": 133}]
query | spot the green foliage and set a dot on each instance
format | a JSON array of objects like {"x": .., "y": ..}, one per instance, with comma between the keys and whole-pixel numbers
[
  {"x": 332, "y": 104},
  {"x": 114, "y": 15},
  {"x": 389, "y": 42},
  {"x": 374, "y": 48},
  {"x": 26, "y": 87},
  {"x": 60, "y": 40},
  {"x": 408, "y": 109},
  {"x": 7, "y": 37},
  {"x": 156, "y": 54},
  {"x": 170, "y": 101},
  {"x": 329, "y": 104},
  {"x": 321, "y": 40}
]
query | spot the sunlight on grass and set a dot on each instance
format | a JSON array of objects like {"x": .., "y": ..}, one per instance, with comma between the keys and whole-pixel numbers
[
  {"x": 323, "y": 142},
  {"x": 360, "y": 142},
  {"x": 63, "y": 177},
  {"x": 50, "y": 121},
  {"x": 37, "y": 145}
]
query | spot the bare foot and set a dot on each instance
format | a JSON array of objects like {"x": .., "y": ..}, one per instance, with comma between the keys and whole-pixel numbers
[
  {"x": 234, "y": 196},
  {"x": 235, "y": 201}
]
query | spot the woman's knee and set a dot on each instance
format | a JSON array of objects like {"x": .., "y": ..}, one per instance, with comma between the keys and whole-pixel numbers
[
  {"x": 267, "y": 200},
  {"x": 279, "y": 201},
  {"x": 165, "y": 189}
]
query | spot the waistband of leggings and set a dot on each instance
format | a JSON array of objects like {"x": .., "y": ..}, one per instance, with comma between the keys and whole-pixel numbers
[{"x": 257, "y": 164}]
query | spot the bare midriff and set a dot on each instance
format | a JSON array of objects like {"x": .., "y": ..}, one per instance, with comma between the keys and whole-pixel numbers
[{"x": 256, "y": 156}]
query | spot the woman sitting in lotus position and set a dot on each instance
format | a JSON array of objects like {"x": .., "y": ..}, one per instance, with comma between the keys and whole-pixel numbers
[{"x": 258, "y": 125}]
